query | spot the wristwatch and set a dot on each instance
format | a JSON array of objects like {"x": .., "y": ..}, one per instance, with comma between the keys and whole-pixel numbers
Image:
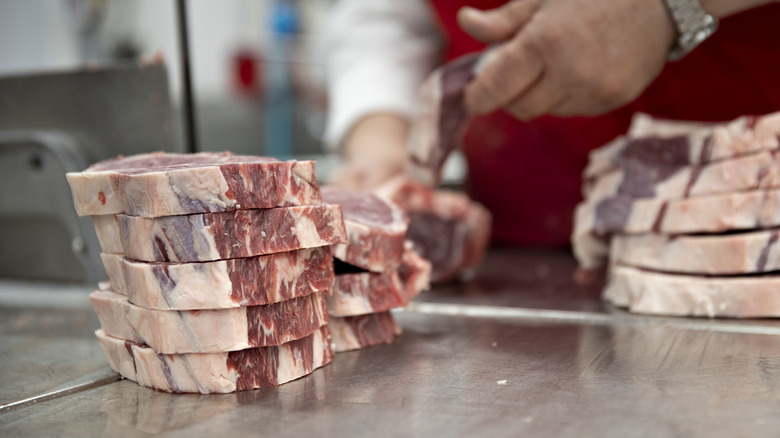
[{"x": 693, "y": 23}]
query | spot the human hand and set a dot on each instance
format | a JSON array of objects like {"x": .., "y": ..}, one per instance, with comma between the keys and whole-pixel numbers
[
  {"x": 566, "y": 57},
  {"x": 375, "y": 149},
  {"x": 364, "y": 175}
]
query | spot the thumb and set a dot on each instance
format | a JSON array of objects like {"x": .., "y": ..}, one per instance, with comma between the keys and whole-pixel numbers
[{"x": 498, "y": 24}]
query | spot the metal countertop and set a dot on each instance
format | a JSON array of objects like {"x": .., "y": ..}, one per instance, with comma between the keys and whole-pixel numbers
[{"x": 519, "y": 350}]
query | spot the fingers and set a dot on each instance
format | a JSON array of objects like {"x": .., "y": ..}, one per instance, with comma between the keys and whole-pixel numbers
[
  {"x": 498, "y": 24},
  {"x": 504, "y": 74},
  {"x": 589, "y": 103},
  {"x": 364, "y": 175},
  {"x": 541, "y": 98}
]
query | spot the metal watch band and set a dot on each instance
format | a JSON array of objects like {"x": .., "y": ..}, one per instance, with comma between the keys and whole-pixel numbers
[{"x": 693, "y": 23}]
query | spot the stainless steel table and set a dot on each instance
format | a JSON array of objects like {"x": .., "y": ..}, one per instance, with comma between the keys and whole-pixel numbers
[{"x": 517, "y": 351}]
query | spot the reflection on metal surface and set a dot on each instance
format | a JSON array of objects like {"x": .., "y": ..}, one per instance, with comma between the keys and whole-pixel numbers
[
  {"x": 129, "y": 406},
  {"x": 100, "y": 378},
  {"x": 463, "y": 368},
  {"x": 440, "y": 379},
  {"x": 44, "y": 350},
  {"x": 761, "y": 327},
  {"x": 132, "y": 407},
  {"x": 533, "y": 279}
]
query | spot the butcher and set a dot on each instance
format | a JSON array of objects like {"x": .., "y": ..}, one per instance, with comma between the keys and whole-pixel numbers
[{"x": 563, "y": 77}]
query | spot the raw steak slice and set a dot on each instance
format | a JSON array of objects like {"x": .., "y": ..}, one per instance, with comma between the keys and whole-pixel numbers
[
  {"x": 368, "y": 292},
  {"x": 240, "y": 233},
  {"x": 640, "y": 180},
  {"x": 737, "y": 253},
  {"x": 161, "y": 184},
  {"x": 208, "y": 331},
  {"x": 221, "y": 284},
  {"x": 645, "y": 125},
  {"x": 676, "y": 294},
  {"x": 221, "y": 372},
  {"x": 594, "y": 223},
  {"x": 119, "y": 353},
  {"x": 662, "y": 142},
  {"x": 415, "y": 271},
  {"x": 442, "y": 119},
  {"x": 107, "y": 229},
  {"x": 376, "y": 230},
  {"x": 113, "y": 311},
  {"x": 354, "y": 332},
  {"x": 114, "y": 265},
  {"x": 446, "y": 227}
]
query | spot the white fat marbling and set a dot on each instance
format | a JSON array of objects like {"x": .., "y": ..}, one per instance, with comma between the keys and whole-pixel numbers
[
  {"x": 705, "y": 254},
  {"x": 689, "y": 295},
  {"x": 172, "y": 331},
  {"x": 710, "y": 214},
  {"x": 87, "y": 187},
  {"x": 207, "y": 186},
  {"x": 107, "y": 230},
  {"x": 200, "y": 373},
  {"x": 342, "y": 336},
  {"x": 119, "y": 357}
]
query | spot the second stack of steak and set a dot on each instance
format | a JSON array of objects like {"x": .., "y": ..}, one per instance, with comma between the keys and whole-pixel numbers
[
  {"x": 219, "y": 268},
  {"x": 376, "y": 271},
  {"x": 688, "y": 216}
]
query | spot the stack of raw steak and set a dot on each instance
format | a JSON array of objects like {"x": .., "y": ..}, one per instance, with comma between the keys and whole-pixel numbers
[
  {"x": 376, "y": 271},
  {"x": 219, "y": 268},
  {"x": 688, "y": 217}
]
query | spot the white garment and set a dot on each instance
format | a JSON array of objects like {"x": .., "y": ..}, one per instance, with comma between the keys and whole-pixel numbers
[{"x": 379, "y": 52}]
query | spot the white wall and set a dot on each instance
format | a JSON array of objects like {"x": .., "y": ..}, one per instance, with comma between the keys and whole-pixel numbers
[{"x": 36, "y": 35}]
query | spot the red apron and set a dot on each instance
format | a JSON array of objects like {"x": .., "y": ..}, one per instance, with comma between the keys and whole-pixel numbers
[{"x": 528, "y": 174}]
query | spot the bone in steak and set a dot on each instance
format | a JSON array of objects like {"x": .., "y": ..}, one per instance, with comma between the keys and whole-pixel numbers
[
  {"x": 661, "y": 142},
  {"x": 220, "y": 372},
  {"x": 162, "y": 184},
  {"x": 240, "y": 233},
  {"x": 438, "y": 128},
  {"x": 376, "y": 230},
  {"x": 446, "y": 227},
  {"x": 207, "y": 331},
  {"x": 221, "y": 284},
  {"x": 354, "y": 332},
  {"x": 594, "y": 223},
  {"x": 733, "y": 253},
  {"x": 644, "y": 291},
  {"x": 360, "y": 293}
]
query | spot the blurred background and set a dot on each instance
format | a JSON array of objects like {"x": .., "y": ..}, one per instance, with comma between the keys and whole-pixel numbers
[
  {"x": 245, "y": 55},
  {"x": 85, "y": 80}
]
